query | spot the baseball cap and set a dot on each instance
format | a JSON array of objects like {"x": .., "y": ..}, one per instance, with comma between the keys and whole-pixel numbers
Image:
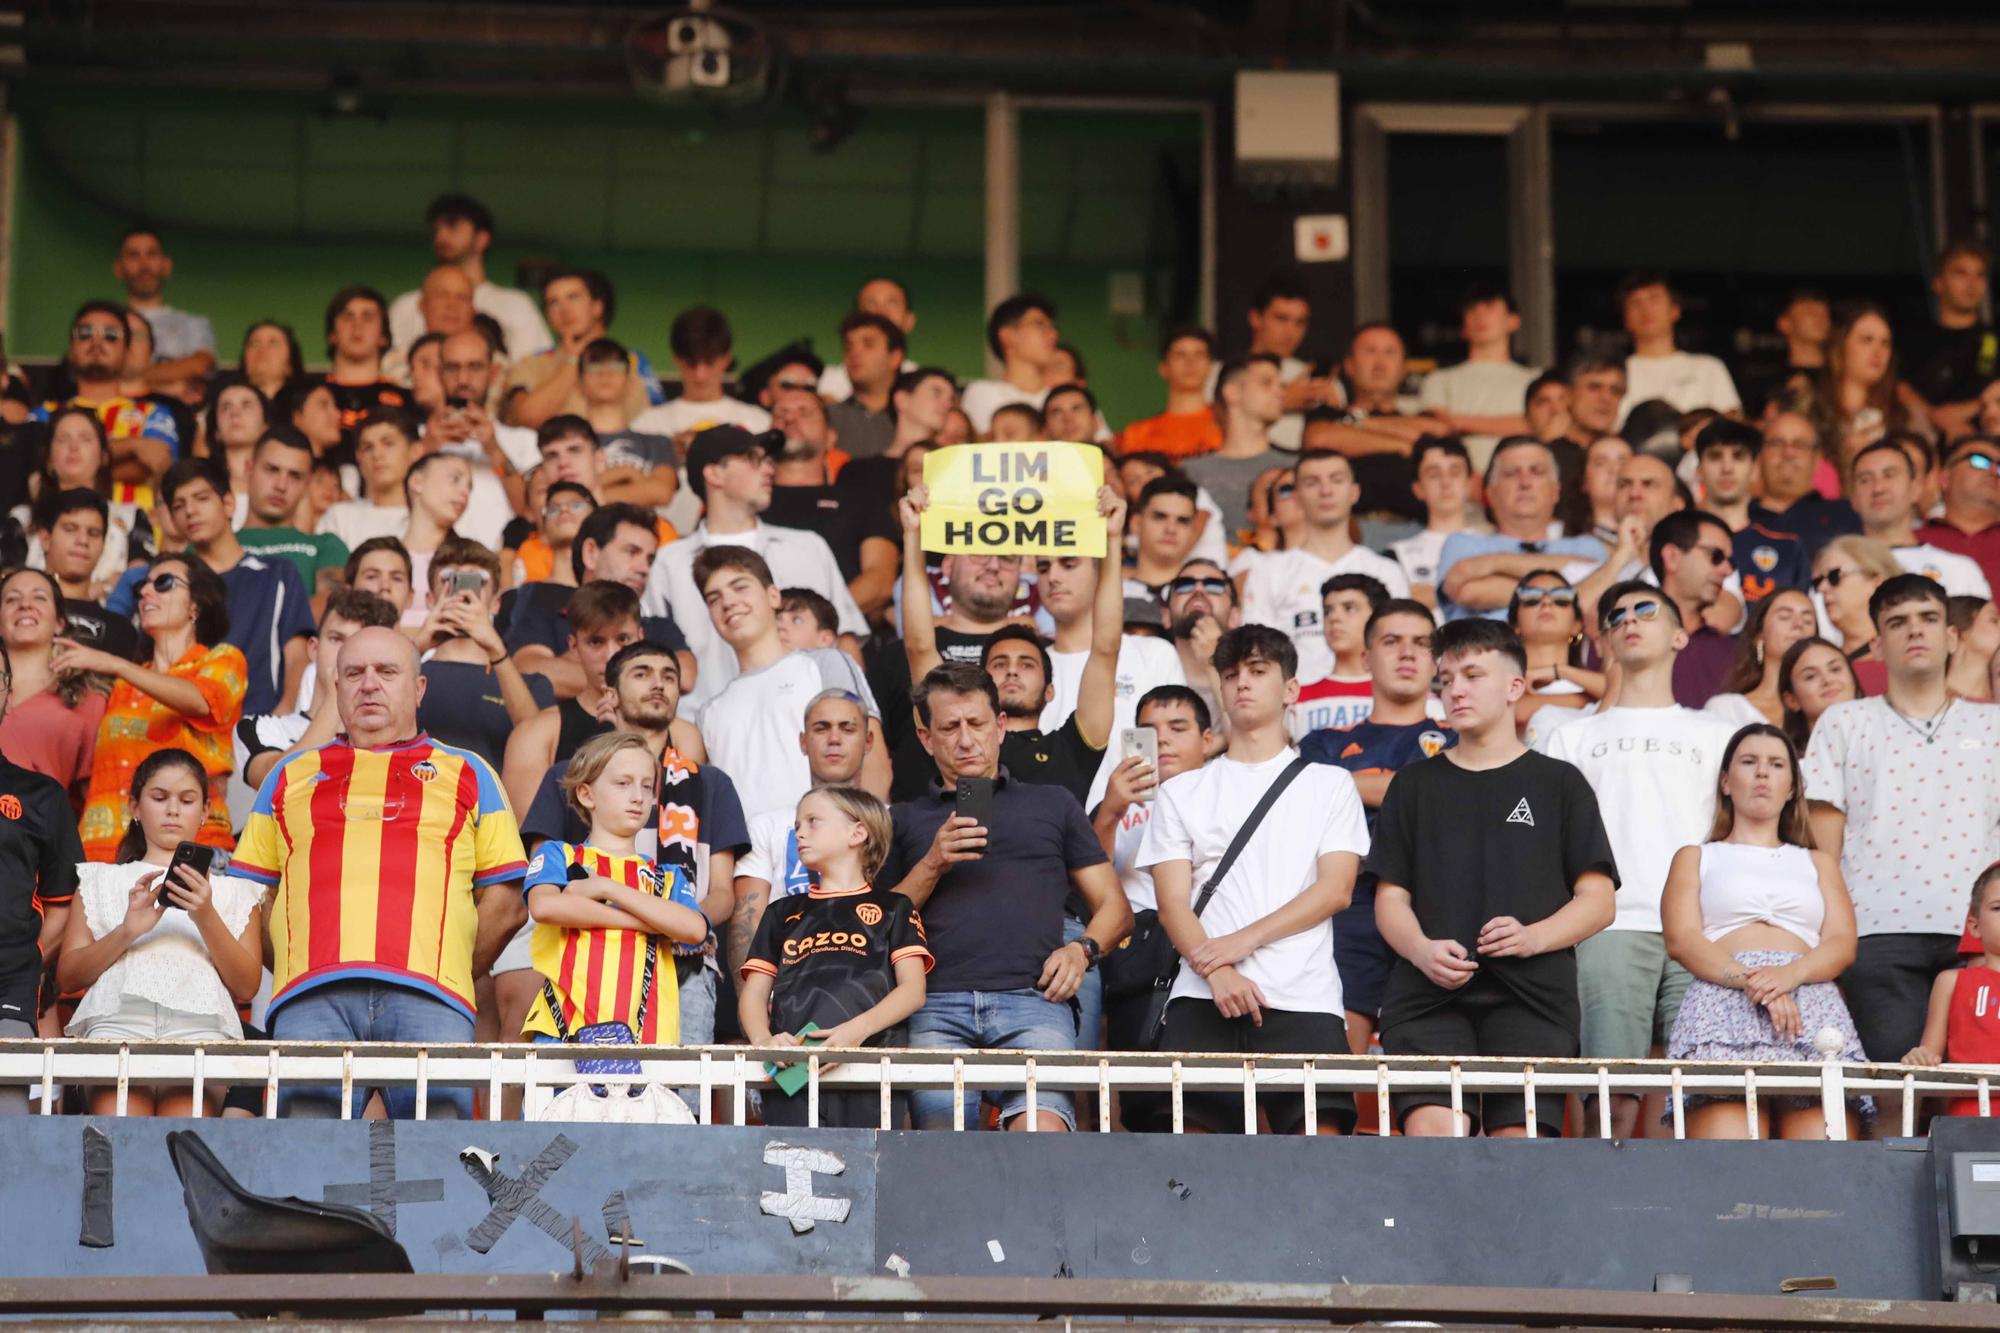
[{"x": 716, "y": 443}]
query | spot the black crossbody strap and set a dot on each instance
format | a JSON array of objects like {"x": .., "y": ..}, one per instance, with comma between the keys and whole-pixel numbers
[{"x": 1244, "y": 834}]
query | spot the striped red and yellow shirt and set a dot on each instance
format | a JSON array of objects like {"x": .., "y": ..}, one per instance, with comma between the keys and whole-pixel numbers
[
  {"x": 375, "y": 854},
  {"x": 596, "y": 974}
]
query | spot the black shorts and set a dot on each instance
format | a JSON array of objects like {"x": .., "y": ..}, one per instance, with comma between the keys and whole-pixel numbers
[
  {"x": 838, "y": 1109},
  {"x": 1361, "y": 955},
  {"x": 1195, "y": 1024},
  {"x": 1888, "y": 989},
  {"x": 1483, "y": 1018}
]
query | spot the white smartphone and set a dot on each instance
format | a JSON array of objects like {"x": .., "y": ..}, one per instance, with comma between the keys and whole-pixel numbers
[{"x": 1143, "y": 742}]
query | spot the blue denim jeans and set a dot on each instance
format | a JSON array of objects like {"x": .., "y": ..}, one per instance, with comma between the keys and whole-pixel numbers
[
  {"x": 1089, "y": 996},
  {"x": 1012, "y": 1020},
  {"x": 370, "y": 1011}
]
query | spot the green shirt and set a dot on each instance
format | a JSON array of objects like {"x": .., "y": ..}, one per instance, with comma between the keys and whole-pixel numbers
[{"x": 308, "y": 552}]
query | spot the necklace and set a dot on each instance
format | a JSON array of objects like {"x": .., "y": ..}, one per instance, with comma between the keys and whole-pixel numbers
[{"x": 1931, "y": 726}]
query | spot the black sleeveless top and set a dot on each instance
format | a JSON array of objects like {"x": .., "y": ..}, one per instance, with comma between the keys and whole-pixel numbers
[{"x": 578, "y": 726}]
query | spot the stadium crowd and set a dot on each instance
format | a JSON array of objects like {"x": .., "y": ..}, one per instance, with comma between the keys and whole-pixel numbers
[{"x": 491, "y": 685}]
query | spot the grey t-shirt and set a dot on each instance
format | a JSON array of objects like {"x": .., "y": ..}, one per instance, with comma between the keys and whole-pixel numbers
[{"x": 1229, "y": 480}]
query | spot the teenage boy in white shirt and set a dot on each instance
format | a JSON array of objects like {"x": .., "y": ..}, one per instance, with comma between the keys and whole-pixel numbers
[{"x": 1658, "y": 369}]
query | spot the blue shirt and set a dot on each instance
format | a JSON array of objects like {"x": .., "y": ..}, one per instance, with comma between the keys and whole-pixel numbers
[
  {"x": 1768, "y": 560},
  {"x": 1463, "y": 545},
  {"x": 1377, "y": 747},
  {"x": 268, "y": 608}
]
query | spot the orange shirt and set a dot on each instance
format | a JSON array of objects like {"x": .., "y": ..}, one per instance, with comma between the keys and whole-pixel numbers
[
  {"x": 1175, "y": 434},
  {"x": 136, "y": 724}
]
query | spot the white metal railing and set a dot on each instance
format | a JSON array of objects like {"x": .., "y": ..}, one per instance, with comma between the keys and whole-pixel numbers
[{"x": 541, "y": 1070}]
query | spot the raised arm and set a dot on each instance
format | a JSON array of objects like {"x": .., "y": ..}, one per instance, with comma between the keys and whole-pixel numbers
[
  {"x": 919, "y": 623},
  {"x": 1097, "y": 692}
]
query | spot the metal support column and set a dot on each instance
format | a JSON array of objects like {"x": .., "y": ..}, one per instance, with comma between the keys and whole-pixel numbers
[
  {"x": 1531, "y": 241},
  {"x": 1003, "y": 205}
]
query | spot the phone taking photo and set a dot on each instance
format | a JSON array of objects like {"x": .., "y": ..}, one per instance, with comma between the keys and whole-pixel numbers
[
  {"x": 460, "y": 581},
  {"x": 975, "y": 800},
  {"x": 187, "y": 854},
  {"x": 1142, "y": 743}
]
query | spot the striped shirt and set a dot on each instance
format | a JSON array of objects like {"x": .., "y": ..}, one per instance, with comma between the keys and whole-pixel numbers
[
  {"x": 596, "y": 974},
  {"x": 375, "y": 855}
]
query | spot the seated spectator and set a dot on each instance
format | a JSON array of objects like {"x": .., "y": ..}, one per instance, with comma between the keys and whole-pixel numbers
[
  {"x": 71, "y": 531},
  {"x": 1653, "y": 765},
  {"x": 1015, "y": 423},
  {"x": 161, "y": 960},
  {"x": 436, "y": 490},
  {"x": 888, "y": 298},
  {"x": 703, "y": 350},
  {"x": 992, "y": 898},
  {"x": 1788, "y": 501},
  {"x": 1070, "y": 413},
  {"x": 381, "y": 566},
  {"x": 384, "y": 449},
  {"x": 1752, "y": 692},
  {"x": 1766, "y": 560},
  {"x": 570, "y": 452},
  {"x": 872, "y": 349},
  {"x": 559, "y": 507},
  {"x": 1492, "y": 865},
  {"x": 1280, "y": 311},
  {"x": 1689, "y": 559},
  {"x": 1970, "y": 523},
  {"x": 1276, "y": 521},
  {"x": 1846, "y": 573},
  {"x": 600, "y": 906},
  {"x": 1647, "y": 493},
  {"x": 922, "y": 400},
  {"x": 1134, "y": 472},
  {"x": 1284, "y": 591},
  {"x": 1256, "y": 939},
  {"x": 1188, "y": 355},
  {"x": 357, "y": 337},
  {"x": 189, "y": 696},
  {"x": 474, "y": 695},
  {"x": 1885, "y": 484},
  {"x": 1855, "y": 398},
  {"x": 324, "y": 490},
  {"x": 752, "y": 726},
  {"x": 144, "y": 437},
  {"x": 1597, "y": 393},
  {"x": 859, "y": 527},
  {"x": 580, "y": 304},
  {"x": 185, "y": 341},
  {"x": 640, "y": 467},
  {"x": 270, "y": 358},
  {"x": 310, "y": 408},
  {"x": 1657, "y": 369},
  {"x": 1021, "y": 335},
  {"x": 461, "y": 426},
  {"x": 1166, "y": 517},
  {"x": 1814, "y": 676},
  {"x": 137, "y": 384},
  {"x": 279, "y": 473},
  {"x": 1763, "y": 922},
  {"x": 855, "y": 994},
  {"x": 1590, "y": 508},
  {"x": 1379, "y": 426},
  {"x": 237, "y": 417},
  {"x": 1341, "y": 697},
  {"x": 79, "y": 459},
  {"x": 269, "y": 612},
  {"x": 51, "y": 719},
  {"x": 1958, "y": 1027},
  {"x": 1977, "y": 624},
  {"x": 1477, "y": 572},
  {"x": 1904, "y": 789},
  {"x": 41, "y": 852},
  {"x": 1545, "y": 616},
  {"x": 806, "y": 620},
  {"x": 1546, "y": 408},
  {"x": 462, "y": 231},
  {"x": 615, "y": 544},
  {"x": 1444, "y": 485},
  {"x": 1249, "y": 399},
  {"x": 1482, "y": 397}
]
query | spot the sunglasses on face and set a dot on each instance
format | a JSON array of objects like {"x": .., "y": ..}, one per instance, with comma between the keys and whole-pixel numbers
[
  {"x": 1282, "y": 490},
  {"x": 164, "y": 583},
  {"x": 1647, "y": 610},
  {"x": 1717, "y": 557},
  {"x": 96, "y": 333},
  {"x": 1983, "y": 462},
  {"x": 1832, "y": 577},
  {"x": 557, "y": 508},
  {"x": 1183, "y": 587},
  {"x": 1555, "y": 596}
]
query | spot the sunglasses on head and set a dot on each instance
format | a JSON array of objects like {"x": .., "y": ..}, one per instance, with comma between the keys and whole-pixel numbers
[
  {"x": 1646, "y": 610},
  {"x": 1535, "y": 596},
  {"x": 165, "y": 582},
  {"x": 1213, "y": 587},
  {"x": 1832, "y": 577},
  {"x": 96, "y": 333}
]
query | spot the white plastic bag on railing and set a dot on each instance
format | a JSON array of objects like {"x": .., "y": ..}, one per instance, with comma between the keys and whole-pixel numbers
[{"x": 641, "y": 1104}]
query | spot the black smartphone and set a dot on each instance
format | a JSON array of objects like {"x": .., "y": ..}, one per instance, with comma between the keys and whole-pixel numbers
[
  {"x": 457, "y": 402},
  {"x": 187, "y": 854},
  {"x": 975, "y": 800}
]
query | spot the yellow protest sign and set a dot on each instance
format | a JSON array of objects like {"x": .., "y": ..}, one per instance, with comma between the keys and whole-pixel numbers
[{"x": 1014, "y": 499}]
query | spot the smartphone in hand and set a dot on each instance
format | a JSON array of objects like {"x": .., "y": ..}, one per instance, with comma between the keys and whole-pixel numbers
[
  {"x": 975, "y": 800},
  {"x": 187, "y": 854}
]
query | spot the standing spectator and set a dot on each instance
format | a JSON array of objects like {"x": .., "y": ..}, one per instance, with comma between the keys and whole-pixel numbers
[
  {"x": 922, "y": 399},
  {"x": 615, "y": 544},
  {"x": 1597, "y": 385},
  {"x": 1905, "y": 791},
  {"x": 1856, "y": 396},
  {"x": 1766, "y": 559},
  {"x": 159, "y": 960},
  {"x": 1689, "y": 559},
  {"x": 1249, "y": 398},
  {"x": 1340, "y": 698},
  {"x": 1977, "y": 624},
  {"x": 1379, "y": 425},
  {"x": 1279, "y": 315},
  {"x": 461, "y": 233},
  {"x": 1492, "y": 866},
  {"x": 1546, "y": 408},
  {"x": 1259, "y": 974},
  {"x": 269, "y": 615},
  {"x": 579, "y": 304},
  {"x": 1885, "y": 485},
  {"x": 1846, "y": 574},
  {"x": 1657, "y": 369},
  {"x": 1591, "y": 507},
  {"x": 1188, "y": 426},
  {"x": 51, "y": 719},
  {"x": 1804, "y": 323},
  {"x": 1482, "y": 397},
  {"x": 1814, "y": 676},
  {"x": 1444, "y": 485},
  {"x": 380, "y": 566},
  {"x": 39, "y": 850},
  {"x": 437, "y": 489},
  {"x": 640, "y": 467},
  {"x": 1763, "y": 922},
  {"x": 993, "y": 898},
  {"x": 1752, "y": 692},
  {"x": 311, "y": 409},
  {"x": 888, "y": 298},
  {"x": 703, "y": 349},
  {"x": 1960, "y": 1030},
  {"x": 135, "y": 385},
  {"x": 1788, "y": 501},
  {"x": 280, "y": 470},
  {"x": 1021, "y": 335},
  {"x": 872, "y": 351},
  {"x": 1477, "y": 572},
  {"x": 462, "y": 427},
  {"x": 1167, "y": 519},
  {"x": 1653, "y": 765},
  {"x": 1284, "y": 590},
  {"x": 858, "y": 526},
  {"x": 143, "y": 436},
  {"x": 1545, "y": 613},
  {"x": 474, "y": 695},
  {"x": 190, "y": 696},
  {"x": 560, "y": 508},
  {"x": 357, "y": 336},
  {"x": 71, "y": 532},
  {"x": 1201, "y": 607},
  {"x": 384, "y": 449},
  {"x": 1970, "y": 523},
  {"x": 1958, "y": 354},
  {"x": 270, "y": 358},
  {"x": 237, "y": 417},
  {"x": 443, "y": 866},
  {"x": 183, "y": 342},
  {"x": 603, "y": 617},
  {"x": 1398, "y": 730}
]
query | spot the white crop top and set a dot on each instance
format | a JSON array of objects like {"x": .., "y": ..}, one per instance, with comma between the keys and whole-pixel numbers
[{"x": 1743, "y": 885}]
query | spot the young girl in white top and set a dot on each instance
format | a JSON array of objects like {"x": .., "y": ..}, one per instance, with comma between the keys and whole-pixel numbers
[
  {"x": 1764, "y": 922},
  {"x": 153, "y": 973}
]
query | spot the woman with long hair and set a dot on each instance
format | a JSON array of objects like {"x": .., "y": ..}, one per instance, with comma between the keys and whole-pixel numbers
[
  {"x": 1846, "y": 573},
  {"x": 161, "y": 960},
  {"x": 1978, "y": 624},
  {"x": 1751, "y": 693},
  {"x": 1856, "y": 395},
  {"x": 77, "y": 456},
  {"x": 1813, "y": 677},
  {"x": 271, "y": 358},
  {"x": 1589, "y": 510},
  {"x": 236, "y": 419},
  {"x": 188, "y": 696},
  {"x": 51, "y": 722},
  {"x": 1763, "y": 921},
  {"x": 1545, "y": 613}
]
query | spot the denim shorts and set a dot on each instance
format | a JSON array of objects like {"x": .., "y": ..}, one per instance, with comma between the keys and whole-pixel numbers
[{"x": 1012, "y": 1020}]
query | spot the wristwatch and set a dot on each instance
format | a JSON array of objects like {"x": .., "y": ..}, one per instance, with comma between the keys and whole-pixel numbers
[{"x": 1091, "y": 951}]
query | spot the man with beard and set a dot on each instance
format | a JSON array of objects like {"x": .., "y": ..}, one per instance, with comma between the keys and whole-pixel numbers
[
  {"x": 143, "y": 436},
  {"x": 855, "y": 525}
]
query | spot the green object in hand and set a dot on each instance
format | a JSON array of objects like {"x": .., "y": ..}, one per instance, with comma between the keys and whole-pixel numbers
[{"x": 790, "y": 1078}]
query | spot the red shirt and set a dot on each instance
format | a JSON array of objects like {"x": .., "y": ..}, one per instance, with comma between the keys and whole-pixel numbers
[{"x": 1972, "y": 1031}]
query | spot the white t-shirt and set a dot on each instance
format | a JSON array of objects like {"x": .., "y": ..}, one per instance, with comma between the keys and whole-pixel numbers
[
  {"x": 1959, "y": 575},
  {"x": 798, "y": 559},
  {"x": 752, "y": 726},
  {"x": 681, "y": 414},
  {"x": 516, "y": 312},
  {"x": 774, "y": 854},
  {"x": 1282, "y": 591},
  {"x": 357, "y": 521},
  {"x": 1734, "y": 709},
  {"x": 170, "y": 965},
  {"x": 1195, "y": 818},
  {"x": 1418, "y": 556},
  {"x": 1478, "y": 389},
  {"x": 488, "y": 510},
  {"x": 1923, "y": 818},
  {"x": 1685, "y": 380},
  {"x": 982, "y": 398},
  {"x": 1137, "y": 883},
  {"x": 1144, "y": 661},
  {"x": 1654, "y": 772}
]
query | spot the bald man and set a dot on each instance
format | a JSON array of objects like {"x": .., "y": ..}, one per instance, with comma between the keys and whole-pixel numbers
[{"x": 395, "y": 871}]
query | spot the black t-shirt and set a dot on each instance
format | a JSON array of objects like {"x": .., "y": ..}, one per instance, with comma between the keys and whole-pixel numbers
[
  {"x": 356, "y": 401},
  {"x": 888, "y": 670},
  {"x": 874, "y": 477},
  {"x": 1470, "y": 846},
  {"x": 834, "y": 955},
  {"x": 1059, "y": 758},
  {"x": 994, "y": 922},
  {"x": 90, "y": 623},
  {"x": 39, "y": 852},
  {"x": 539, "y": 613},
  {"x": 1952, "y": 365},
  {"x": 844, "y": 516},
  {"x": 462, "y": 707}
]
